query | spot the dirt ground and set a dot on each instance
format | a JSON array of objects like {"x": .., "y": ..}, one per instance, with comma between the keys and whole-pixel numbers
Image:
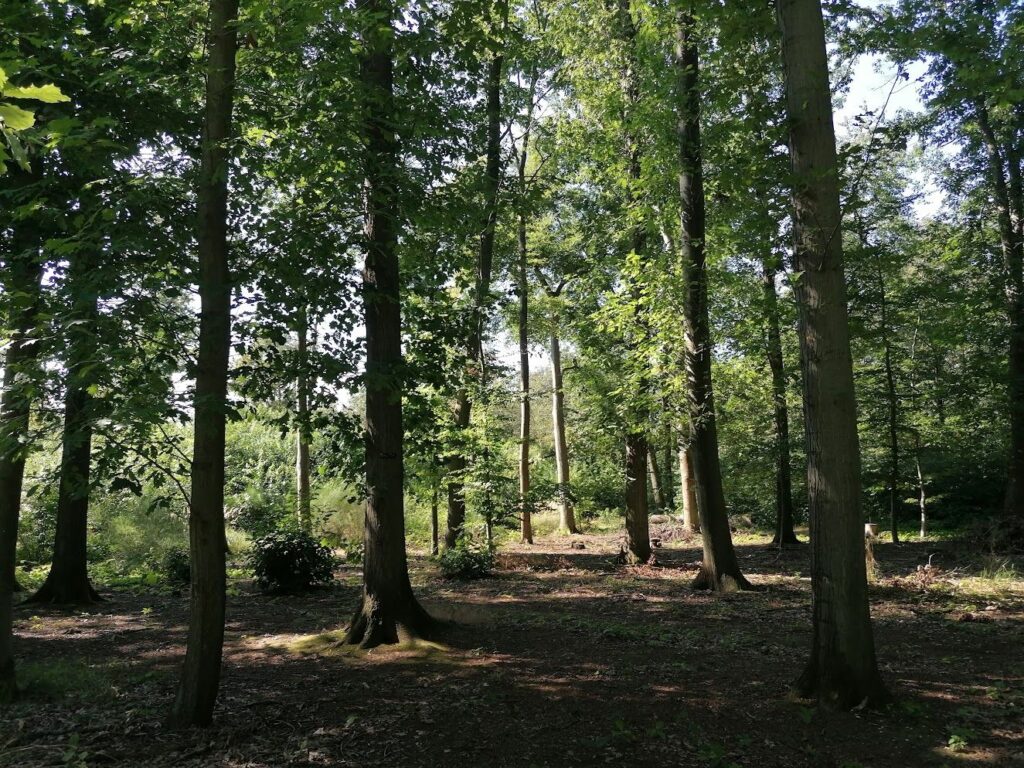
[{"x": 563, "y": 658}]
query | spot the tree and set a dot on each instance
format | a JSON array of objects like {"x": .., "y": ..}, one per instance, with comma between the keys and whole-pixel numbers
[
  {"x": 720, "y": 570},
  {"x": 841, "y": 671},
  {"x": 388, "y": 611},
  {"x": 200, "y": 677}
]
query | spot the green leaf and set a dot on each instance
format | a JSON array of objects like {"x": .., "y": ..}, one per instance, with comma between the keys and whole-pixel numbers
[
  {"x": 16, "y": 118},
  {"x": 48, "y": 94}
]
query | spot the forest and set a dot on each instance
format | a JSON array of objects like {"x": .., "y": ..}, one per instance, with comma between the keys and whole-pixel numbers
[{"x": 511, "y": 383}]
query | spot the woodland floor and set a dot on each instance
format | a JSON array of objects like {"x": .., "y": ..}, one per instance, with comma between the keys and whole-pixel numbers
[{"x": 562, "y": 658}]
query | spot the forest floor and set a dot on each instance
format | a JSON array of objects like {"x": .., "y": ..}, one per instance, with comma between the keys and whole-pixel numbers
[{"x": 562, "y": 658}]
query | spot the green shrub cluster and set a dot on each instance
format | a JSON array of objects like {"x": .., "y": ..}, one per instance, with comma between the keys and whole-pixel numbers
[{"x": 290, "y": 561}]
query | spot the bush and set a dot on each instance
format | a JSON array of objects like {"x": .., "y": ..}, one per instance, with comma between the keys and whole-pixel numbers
[
  {"x": 255, "y": 512},
  {"x": 290, "y": 561},
  {"x": 466, "y": 561},
  {"x": 177, "y": 566}
]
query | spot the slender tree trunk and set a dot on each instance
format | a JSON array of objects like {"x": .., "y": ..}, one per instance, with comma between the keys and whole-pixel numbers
[
  {"x": 784, "y": 533},
  {"x": 1012, "y": 242},
  {"x": 200, "y": 677},
  {"x": 720, "y": 570},
  {"x": 22, "y": 282},
  {"x": 922, "y": 504},
  {"x": 302, "y": 437},
  {"x": 668, "y": 476},
  {"x": 652, "y": 469},
  {"x": 691, "y": 518},
  {"x": 388, "y": 612},
  {"x": 893, "y": 418},
  {"x": 68, "y": 579},
  {"x": 434, "y": 539},
  {"x": 566, "y": 515},
  {"x": 463, "y": 405},
  {"x": 638, "y": 543},
  {"x": 524, "y": 330},
  {"x": 842, "y": 670}
]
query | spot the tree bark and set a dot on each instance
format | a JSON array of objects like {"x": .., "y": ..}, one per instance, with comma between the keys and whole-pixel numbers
[
  {"x": 842, "y": 671},
  {"x": 200, "y": 677},
  {"x": 784, "y": 533},
  {"x": 653, "y": 471},
  {"x": 302, "y": 436},
  {"x": 720, "y": 570},
  {"x": 566, "y": 514},
  {"x": 524, "y": 329},
  {"x": 68, "y": 579},
  {"x": 434, "y": 539},
  {"x": 388, "y": 612},
  {"x": 691, "y": 518},
  {"x": 463, "y": 405},
  {"x": 22, "y": 283}
]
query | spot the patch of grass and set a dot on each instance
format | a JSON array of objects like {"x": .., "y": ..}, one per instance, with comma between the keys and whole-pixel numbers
[{"x": 59, "y": 678}]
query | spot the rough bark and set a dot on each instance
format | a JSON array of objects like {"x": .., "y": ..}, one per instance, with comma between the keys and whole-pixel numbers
[
  {"x": 302, "y": 432},
  {"x": 638, "y": 537},
  {"x": 566, "y": 514},
  {"x": 784, "y": 533},
  {"x": 22, "y": 283},
  {"x": 842, "y": 671},
  {"x": 200, "y": 677},
  {"x": 68, "y": 579},
  {"x": 720, "y": 570},
  {"x": 463, "y": 404},
  {"x": 388, "y": 612}
]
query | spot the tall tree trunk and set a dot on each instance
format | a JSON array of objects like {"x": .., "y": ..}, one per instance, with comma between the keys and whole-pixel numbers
[
  {"x": 652, "y": 468},
  {"x": 22, "y": 284},
  {"x": 302, "y": 437},
  {"x": 922, "y": 503},
  {"x": 842, "y": 670},
  {"x": 720, "y": 570},
  {"x": 784, "y": 533},
  {"x": 68, "y": 579},
  {"x": 388, "y": 612},
  {"x": 1012, "y": 241},
  {"x": 668, "y": 476},
  {"x": 566, "y": 515},
  {"x": 691, "y": 518},
  {"x": 892, "y": 417},
  {"x": 523, "y": 288},
  {"x": 463, "y": 405},
  {"x": 434, "y": 537},
  {"x": 200, "y": 677},
  {"x": 638, "y": 543}
]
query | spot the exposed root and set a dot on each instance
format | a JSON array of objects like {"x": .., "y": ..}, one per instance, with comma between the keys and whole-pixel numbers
[
  {"x": 723, "y": 583},
  {"x": 81, "y": 593},
  {"x": 375, "y": 624}
]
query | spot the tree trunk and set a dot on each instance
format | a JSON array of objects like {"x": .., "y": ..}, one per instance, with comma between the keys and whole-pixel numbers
[
  {"x": 200, "y": 677},
  {"x": 462, "y": 408},
  {"x": 784, "y": 533},
  {"x": 638, "y": 537},
  {"x": 68, "y": 579},
  {"x": 524, "y": 331},
  {"x": 691, "y": 518},
  {"x": 22, "y": 283},
  {"x": 388, "y": 612},
  {"x": 842, "y": 670},
  {"x": 302, "y": 436},
  {"x": 1012, "y": 241},
  {"x": 652, "y": 468},
  {"x": 893, "y": 418},
  {"x": 668, "y": 481},
  {"x": 566, "y": 515},
  {"x": 720, "y": 570},
  {"x": 434, "y": 542},
  {"x": 922, "y": 504}
]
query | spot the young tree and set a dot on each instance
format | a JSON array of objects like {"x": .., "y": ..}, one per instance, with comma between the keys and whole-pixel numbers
[
  {"x": 388, "y": 612},
  {"x": 842, "y": 670},
  {"x": 200, "y": 677},
  {"x": 720, "y": 570}
]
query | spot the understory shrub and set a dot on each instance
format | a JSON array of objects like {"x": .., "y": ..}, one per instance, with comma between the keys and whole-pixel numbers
[
  {"x": 290, "y": 561},
  {"x": 177, "y": 566},
  {"x": 466, "y": 560}
]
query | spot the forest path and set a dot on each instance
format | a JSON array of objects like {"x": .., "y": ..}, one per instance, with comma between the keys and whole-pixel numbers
[{"x": 561, "y": 658}]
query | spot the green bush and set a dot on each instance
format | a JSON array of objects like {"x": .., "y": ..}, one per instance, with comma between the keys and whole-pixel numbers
[
  {"x": 290, "y": 561},
  {"x": 255, "y": 512},
  {"x": 177, "y": 566},
  {"x": 466, "y": 560}
]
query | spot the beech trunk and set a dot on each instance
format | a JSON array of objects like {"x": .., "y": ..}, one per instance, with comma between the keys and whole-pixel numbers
[
  {"x": 200, "y": 677},
  {"x": 841, "y": 671},
  {"x": 566, "y": 514}
]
